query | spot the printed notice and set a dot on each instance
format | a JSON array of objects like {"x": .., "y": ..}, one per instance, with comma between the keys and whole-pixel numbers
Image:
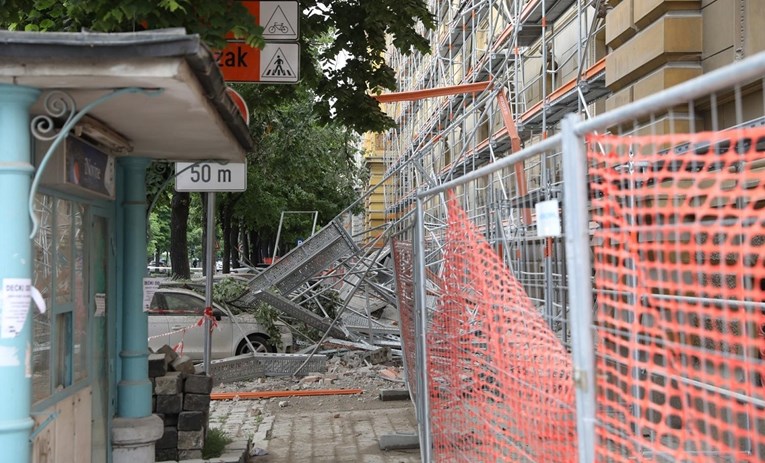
[
  {"x": 150, "y": 286},
  {"x": 548, "y": 219},
  {"x": 17, "y": 297},
  {"x": 100, "y": 305}
]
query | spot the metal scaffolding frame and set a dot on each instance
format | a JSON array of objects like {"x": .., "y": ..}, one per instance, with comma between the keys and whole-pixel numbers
[{"x": 541, "y": 56}]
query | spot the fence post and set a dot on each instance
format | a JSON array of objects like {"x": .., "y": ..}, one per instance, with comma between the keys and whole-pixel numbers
[
  {"x": 421, "y": 311},
  {"x": 579, "y": 268}
]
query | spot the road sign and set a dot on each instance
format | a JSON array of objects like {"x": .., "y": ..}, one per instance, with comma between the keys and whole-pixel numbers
[
  {"x": 279, "y": 19},
  {"x": 210, "y": 176},
  {"x": 276, "y": 63},
  {"x": 240, "y": 104}
]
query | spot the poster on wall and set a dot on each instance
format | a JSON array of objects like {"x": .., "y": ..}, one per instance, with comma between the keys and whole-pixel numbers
[
  {"x": 89, "y": 168},
  {"x": 100, "y": 305},
  {"x": 150, "y": 286},
  {"x": 17, "y": 298}
]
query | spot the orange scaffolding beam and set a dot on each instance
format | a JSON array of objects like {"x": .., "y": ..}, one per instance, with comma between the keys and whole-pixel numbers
[{"x": 413, "y": 95}]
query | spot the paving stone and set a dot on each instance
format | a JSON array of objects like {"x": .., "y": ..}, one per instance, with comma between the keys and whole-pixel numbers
[
  {"x": 190, "y": 454},
  {"x": 157, "y": 365},
  {"x": 191, "y": 440},
  {"x": 168, "y": 440},
  {"x": 200, "y": 402},
  {"x": 169, "y": 404},
  {"x": 166, "y": 454},
  {"x": 191, "y": 421},
  {"x": 169, "y": 384},
  {"x": 198, "y": 384}
]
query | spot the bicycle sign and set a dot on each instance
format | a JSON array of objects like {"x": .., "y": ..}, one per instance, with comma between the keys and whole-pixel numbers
[
  {"x": 279, "y": 61},
  {"x": 279, "y": 19},
  {"x": 278, "y": 27}
]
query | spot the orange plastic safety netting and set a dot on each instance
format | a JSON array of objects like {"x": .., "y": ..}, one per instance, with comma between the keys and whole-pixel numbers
[
  {"x": 500, "y": 384},
  {"x": 404, "y": 265},
  {"x": 679, "y": 268}
]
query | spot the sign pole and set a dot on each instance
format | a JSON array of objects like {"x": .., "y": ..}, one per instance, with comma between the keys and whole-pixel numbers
[{"x": 210, "y": 263}]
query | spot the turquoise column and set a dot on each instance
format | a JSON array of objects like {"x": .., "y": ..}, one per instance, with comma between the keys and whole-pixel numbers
[
  {"x": 134, "y": 389},
  {"x": 16, "y": 264}
]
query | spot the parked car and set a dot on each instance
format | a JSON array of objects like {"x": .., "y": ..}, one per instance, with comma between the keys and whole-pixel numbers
[{"x": 174, "y": 314}]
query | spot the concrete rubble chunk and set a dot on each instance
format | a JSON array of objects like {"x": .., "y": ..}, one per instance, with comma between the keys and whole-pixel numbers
[
  {"x": 399, "y": 442},
  {"x": 311, "y": 379},
  {"x": 169, "y": 352},
  {"x": 394, "y": 394},
  {"x": 183, "y": 364}
]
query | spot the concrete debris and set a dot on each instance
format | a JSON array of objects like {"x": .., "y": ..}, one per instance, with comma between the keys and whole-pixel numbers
[
  {"x": 391, "y": 374},
  {"x": 258, "y": 452},
  {"x": 283, "y": 403}
]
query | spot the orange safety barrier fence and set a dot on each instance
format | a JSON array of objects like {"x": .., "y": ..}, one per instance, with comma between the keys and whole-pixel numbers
[
  {"x": 404, "y": 263},
  {"x": 500, "y": 382},
  {"x": 679, "y": 263}
]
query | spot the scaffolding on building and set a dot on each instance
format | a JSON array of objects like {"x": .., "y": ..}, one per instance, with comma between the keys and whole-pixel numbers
[{"x": 542, "y": 58}]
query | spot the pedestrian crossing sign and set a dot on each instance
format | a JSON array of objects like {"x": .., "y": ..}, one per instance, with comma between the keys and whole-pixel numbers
[{"x": 280, "y": 63}]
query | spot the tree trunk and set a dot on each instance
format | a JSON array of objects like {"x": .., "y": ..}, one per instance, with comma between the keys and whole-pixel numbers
[
  {"x": 255, "y": 256},
  {"x": 246, "y": 248},
  {"x": 179, "y": 221},
  {"x": 234, "y": 242}
]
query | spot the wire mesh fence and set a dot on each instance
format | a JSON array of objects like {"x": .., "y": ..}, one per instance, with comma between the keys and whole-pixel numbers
[{"x": 630, "y": 331}]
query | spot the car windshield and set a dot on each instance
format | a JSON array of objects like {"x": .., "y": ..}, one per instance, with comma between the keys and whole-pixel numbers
[
  {"x": 186, "y": 304},
  {"x": 183, "y": 303}
]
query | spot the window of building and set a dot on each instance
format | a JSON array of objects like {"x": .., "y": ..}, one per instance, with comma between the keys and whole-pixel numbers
[{"x": 60, "y": 345}]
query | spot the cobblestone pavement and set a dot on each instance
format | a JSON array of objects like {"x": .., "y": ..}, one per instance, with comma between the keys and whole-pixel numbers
[{"x": 340, "y": 429}]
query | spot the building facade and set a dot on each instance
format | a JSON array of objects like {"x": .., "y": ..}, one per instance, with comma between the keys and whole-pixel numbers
[{"x": 545, "y": 59}]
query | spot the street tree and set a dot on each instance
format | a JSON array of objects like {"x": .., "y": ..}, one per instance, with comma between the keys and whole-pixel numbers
[{"x": 343, "y": 44}]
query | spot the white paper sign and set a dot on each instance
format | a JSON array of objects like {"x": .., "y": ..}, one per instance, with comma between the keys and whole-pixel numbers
[
  {"x": 548, "y": 219},
  {"x": 150, "y": 286},
  {"x": 17, "y": 297},
  {"x": 100, "y": 300}
]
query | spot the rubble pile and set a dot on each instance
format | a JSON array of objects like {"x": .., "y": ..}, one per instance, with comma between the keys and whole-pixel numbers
[
  {"x": 182, "y": 399},
  {"x": 349, "y": 370}
]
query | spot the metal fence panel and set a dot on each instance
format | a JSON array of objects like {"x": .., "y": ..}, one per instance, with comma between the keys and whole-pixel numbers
[{"x": 649, "y": 307}]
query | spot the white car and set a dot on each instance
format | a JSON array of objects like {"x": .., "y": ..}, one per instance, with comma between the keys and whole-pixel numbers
[{"x": 174, "y": 318}]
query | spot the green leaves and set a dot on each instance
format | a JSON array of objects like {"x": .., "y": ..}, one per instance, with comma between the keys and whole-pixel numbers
[{"x": 356, "y": 31}]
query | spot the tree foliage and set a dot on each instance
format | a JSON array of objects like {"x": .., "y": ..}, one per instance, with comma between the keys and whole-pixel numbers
[
  {"x": 342, "y": 41},
  {"x": 299, "y": 164}
]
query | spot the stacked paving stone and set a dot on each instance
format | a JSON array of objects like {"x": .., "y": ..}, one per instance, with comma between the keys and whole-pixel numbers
[{"x": 182, "y": 399}]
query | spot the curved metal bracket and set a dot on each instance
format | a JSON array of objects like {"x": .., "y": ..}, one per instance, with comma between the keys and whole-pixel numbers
[{"x": 57, "y": 104}]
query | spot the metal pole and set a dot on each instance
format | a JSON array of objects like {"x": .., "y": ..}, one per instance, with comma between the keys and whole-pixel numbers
[
  {"x": 315, "y": 219},
  {"x": 209, "y": 276},
  {"x": 421, "y": 357},
  {"x": 278, "y": 235},
  {"x": 579, "y": 269},
  {"x": 16, "y": 270}
]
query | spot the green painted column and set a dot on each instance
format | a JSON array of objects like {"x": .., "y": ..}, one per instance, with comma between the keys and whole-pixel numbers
[
  {"x": 16, "y": 268},
  {"x": 134, "y": 388}
]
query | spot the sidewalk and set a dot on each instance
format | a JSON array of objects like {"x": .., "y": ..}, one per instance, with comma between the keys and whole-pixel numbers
[{"x": 340, "y": 429}]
